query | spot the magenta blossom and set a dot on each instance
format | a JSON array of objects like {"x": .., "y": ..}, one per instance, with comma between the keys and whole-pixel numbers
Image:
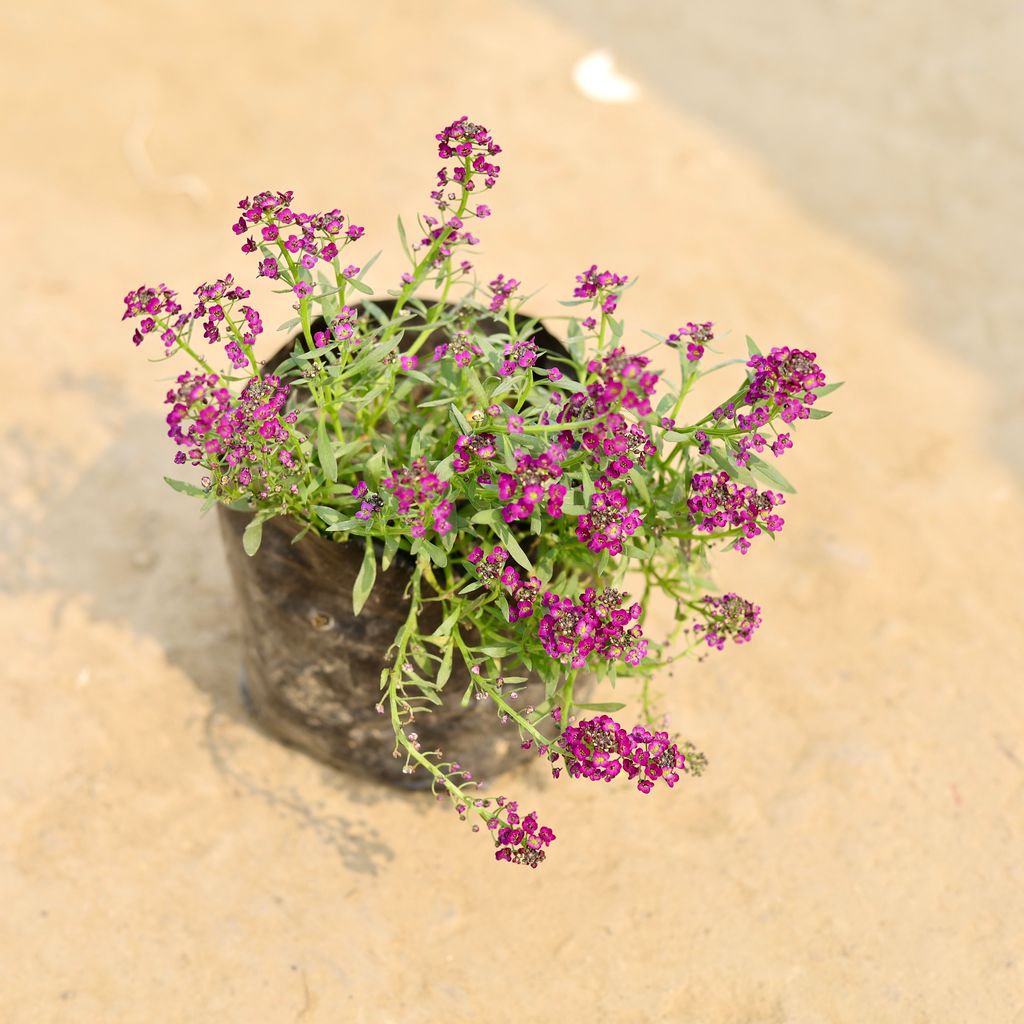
[
  {"x": 727, "y": 616},
  {"x": 598, "y": 625},
  {"x": 600, "y": 749},
  {"x": 716, "y": 502},
  {"x": 520, "y": 839}
]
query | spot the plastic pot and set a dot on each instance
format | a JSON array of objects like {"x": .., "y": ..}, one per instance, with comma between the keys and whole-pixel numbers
[{"x": 311, "y": 668}]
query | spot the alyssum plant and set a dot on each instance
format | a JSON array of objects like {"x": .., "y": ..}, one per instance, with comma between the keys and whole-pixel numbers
[{"x": 523, "y": 485}]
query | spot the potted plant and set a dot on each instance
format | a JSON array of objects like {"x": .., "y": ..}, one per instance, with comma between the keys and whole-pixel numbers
[{"x": 431, "y": 506}]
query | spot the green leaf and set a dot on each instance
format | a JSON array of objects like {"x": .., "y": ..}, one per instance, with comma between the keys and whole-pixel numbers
[
  {"x": 768, "y": 472},
  {"x": 346, "y": 524},
  {"x": 641, "y": 485},
  {"x": 390, "y": 550},
  {"x": 674, "y": 437},
  {"x": 437, "y": 555},
  {"x": 577, "y": 348},
  {"x": 609, "y": 706},
  {"x": 375, "y": 465},
  {"x": 184, "y": 488},
  {"x": 443, "y": 470},
  {"x": 360, "y": 286},
  {"x": 449, "y": 620},
  {"x": 738, "y": 473},
  {"x": 329, "y": 515},
  {"x": 444, "y": 670},
  {"x": 820, "y": 414},
  {"x": 367, "y": 576},
  {"x": 460, "y": 421},
  {"x": 253, "y": 535},
  {"x": 752, "y": 346},
  {"x": 498, "y": 650},
  {"x": 325, "y": 453},
  {"x": 512, "y": 545},
  {"x": 588, "y": 484},
  {"x": 404, "y": 241},
  {"x": 829, "y": 388}
]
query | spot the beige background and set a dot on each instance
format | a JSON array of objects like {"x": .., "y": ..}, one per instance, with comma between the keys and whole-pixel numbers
[{"x": 841, "y": 176}]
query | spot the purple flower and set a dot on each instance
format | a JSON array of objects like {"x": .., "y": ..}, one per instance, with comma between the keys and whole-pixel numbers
[
  {"x": 609, "y": 519},
  {"x": 152, "y": 302},
  {"x": 470, "y": 446},
  {"x": 699, "y": 335},
  {"x": 787, "y": 377},
  {"x": 535, "y": 480},
  {"x": 600, "y": 749},
  {"x": 419, "y": 494},
  {"x": 727, "y": 616},
  {"x": 469, "y": 148},
  {"x": 716, "y": 502},
  {"x": 570, "y": 633},
  {"x": 781, "y": 383},
  {"x": 234, "y": 438},
  {"x": 519, "y": 840},
  {"x": 519, "y": 354},
  {"x": 602, "y": 286},
  {"x": 501, "y": 291}
]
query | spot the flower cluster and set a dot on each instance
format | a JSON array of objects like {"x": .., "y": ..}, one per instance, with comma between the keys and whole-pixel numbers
[
  {"x": 717, "y": 502},
  {"x": 317, "y": 239},
  {"x": 214, "y": 308},
  {"x": 462, "y": 348},
  {"x": 598, "y": 626},
  {"x": 501, "y": 290},
  {"x": 519, "y": 839},
  {"x": 420, "y": 493},
  {"x": 522, "y": 591},
  {"x": 470, "y": 446},
  {"x": 469, "y": 148},
  {"x": 782, "y": 383},
  {"x": 370, "y": 503},
  {"x": 623, "y": 381},
  {"x": 623, "y": 384},
  {"x": 788, "y": 378},
  {"x": 534, "y": 480},
  {"x": 153, "y": 304},
  {"x": 698, "y": 336},
  {"x": 520, "y": 353},
  {"x": 243, "y": 441},
  {"x": 609, "y": 519},
  {"x": 466, "y": 143},
  {"x": 600, "y": 749},
  {"x": 603, "y": 286},
  {"x": 727, "y": 616},
  {"x": 343, "y": 329}
]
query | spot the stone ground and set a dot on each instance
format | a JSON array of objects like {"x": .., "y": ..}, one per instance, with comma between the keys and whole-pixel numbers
[{"x": 843, "y": 177}]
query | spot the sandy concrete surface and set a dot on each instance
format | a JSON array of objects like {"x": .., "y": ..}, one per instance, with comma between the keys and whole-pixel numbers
[{"x": 840, "y": 176}]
